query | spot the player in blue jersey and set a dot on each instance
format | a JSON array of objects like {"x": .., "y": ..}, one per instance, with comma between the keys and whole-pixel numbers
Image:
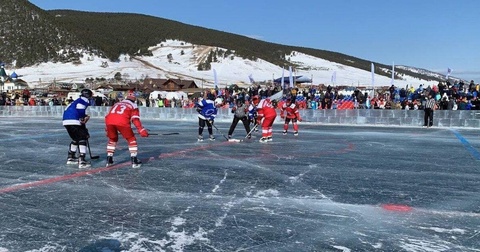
[
  {"x": 74, "y": 120},
  {"x": 252, "y": 117},
  {"x": 207, "y": 111}
]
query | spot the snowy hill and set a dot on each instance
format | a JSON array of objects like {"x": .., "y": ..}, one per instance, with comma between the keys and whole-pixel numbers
[{"x": 177, "y": 59}]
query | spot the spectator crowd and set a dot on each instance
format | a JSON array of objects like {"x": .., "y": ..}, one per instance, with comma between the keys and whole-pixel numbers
[{"x": 448, "y": 96}]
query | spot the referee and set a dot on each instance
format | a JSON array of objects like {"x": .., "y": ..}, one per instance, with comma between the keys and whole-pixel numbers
[{"x": 429, "y": 107}]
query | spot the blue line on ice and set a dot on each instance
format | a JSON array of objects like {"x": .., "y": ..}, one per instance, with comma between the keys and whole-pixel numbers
[{"x": 467, "y": 145}]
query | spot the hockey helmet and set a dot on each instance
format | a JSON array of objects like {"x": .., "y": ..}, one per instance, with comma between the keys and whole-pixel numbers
[
  {"x": 210, "y": 96},
  {"x": 87, "y": 93},
  {"x": 255, "y": 99},
  {"x": 218, "y": 102},
  {"x": 131, "y": 95}
]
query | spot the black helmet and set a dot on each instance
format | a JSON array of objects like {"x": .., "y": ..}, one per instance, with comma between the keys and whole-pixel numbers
[
  {"x": 87, "y": 93},
  {"x": 210, "y": 96}
]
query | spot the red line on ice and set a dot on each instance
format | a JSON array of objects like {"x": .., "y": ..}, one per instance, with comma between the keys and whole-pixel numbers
[
  {"x": 18, "y": 187},
  {"x": 397, "y": 207}
]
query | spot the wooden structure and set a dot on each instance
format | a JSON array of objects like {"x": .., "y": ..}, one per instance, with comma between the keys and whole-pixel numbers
[{"x": 169, "y": 85}]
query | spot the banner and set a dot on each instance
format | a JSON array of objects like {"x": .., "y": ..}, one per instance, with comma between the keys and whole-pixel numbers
[
  {"x": 215, "y": 78},
  {"x": 290, "y": 78},
  {"x": 278, "y": 96},
  {"x": 449, "y": 71},
  {"x": 334, "y": 77},
  {"x": 373, "y": 76},
  {"x": 251, "y": 79},
  {"x": 393, "y": 73}
]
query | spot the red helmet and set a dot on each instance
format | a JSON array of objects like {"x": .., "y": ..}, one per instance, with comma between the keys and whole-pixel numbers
[
  {"x": 255, "y": 99},
  {"x": 131, "y": 95}
]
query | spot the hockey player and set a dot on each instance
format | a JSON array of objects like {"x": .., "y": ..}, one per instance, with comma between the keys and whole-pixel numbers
[
  {"x": 74, "y": 120},
  {"x": 252, "y": 117},
  {"x": 292, "y": 114},
  {"x": 266, "y": 115},
  {"x": 240, "y": 114},
  {"x": 118, "y": 120},
  {"x": 207, "y": 111}
]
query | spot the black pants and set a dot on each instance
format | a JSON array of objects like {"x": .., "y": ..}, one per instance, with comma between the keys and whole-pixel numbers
[
  {"x": 77, "y": 132},
  {"x": 201, "y": 125},
  {"x": 245, "y": 121},
  {"x": 79, "y": 135},
  {"x": 428, "y": 117}
]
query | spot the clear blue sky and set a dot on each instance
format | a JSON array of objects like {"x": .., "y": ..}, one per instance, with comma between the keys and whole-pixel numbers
[{"x": 430, "y": 34}]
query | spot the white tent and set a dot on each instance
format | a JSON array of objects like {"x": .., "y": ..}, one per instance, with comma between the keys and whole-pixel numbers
[
  {"x": 169, "y": 95},
  {"x": 154, "y": 94},
  {"x": 178, "y": 95},
  {"x": 182, "y": 94},
  {"x": 172, "y": 95}
]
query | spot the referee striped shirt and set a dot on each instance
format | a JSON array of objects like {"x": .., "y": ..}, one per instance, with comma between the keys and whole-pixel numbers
[{"x": 430, "y": 103}]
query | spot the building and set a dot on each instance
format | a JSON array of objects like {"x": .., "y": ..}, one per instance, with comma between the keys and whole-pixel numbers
[{"x": 170, "y": 85}]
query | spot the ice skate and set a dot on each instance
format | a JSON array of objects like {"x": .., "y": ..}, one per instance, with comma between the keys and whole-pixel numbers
[
  {"x": 284, "y": 132},
  {"x": 263, "y": 140},
  {"x": 72, "y": 159},
  {"x": 82, "y": 163},
  {"x": 200, "y": 138},
  {"x": 211, "y": 138},
  {"x": 295, "y": 133},
  {"x": 136, "y": 163},
  {"x": 109, "y": 161}
]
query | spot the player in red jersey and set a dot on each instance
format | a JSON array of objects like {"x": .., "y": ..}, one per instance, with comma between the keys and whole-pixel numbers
[
  {"x": 266, "y": 115},
  {"x": 118, "y": 120},
  {"x": 292, "y": 114}
]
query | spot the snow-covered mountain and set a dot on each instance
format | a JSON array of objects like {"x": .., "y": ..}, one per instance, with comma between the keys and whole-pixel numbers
[{"x": 178, "y": 59}]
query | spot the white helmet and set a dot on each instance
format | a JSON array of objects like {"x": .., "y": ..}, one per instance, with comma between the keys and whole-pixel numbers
[{"x": 218, "y": 101}]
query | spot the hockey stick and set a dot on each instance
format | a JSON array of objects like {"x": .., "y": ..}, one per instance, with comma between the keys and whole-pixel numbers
[
  {"x": 90, "y": 151},
  {"x": 249, "y": 133},
  {"x": 220, "y": 132},
  {"x": 164, "y": 134}
]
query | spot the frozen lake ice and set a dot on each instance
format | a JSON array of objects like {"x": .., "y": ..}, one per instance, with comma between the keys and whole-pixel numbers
[{"x": 332, "y": 188}]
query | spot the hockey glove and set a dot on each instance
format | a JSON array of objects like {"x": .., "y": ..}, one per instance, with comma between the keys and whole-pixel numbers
[
  {"x": 85, "y": 119},
  {"x": 143, "y": 132}
]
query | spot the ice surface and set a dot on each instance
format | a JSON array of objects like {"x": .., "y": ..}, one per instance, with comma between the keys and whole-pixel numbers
[{"x": 319, "y": 191}]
